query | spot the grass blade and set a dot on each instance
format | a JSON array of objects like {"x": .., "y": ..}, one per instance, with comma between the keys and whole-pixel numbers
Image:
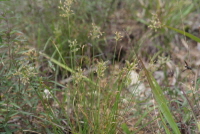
[
  {"x": 65, "y": 67},
  {"x": 160, "y": 99},
  {"x": 195, "y": 38}
]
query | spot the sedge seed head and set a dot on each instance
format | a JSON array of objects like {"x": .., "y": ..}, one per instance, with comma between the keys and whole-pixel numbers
[{"x": 95, "y": 33}]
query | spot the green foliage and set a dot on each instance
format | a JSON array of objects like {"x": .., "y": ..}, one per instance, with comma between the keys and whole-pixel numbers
[
  {"x": 160, "y": 99},
  {"x": 55, "y": 77},
  {"x": 125, "y": 128},
  {"x": 185, "y": 34}
]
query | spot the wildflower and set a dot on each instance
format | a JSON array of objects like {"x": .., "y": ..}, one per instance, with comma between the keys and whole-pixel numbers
[
  {"x": 101, "y": 67},
  {"x": 74, "y": 47},
  {"x": 96, "y": 32},
  {"x": 131, "y": 66},
  {"x": 25, "y": 72},
  {"x": 30, "y": 53},
  {"x": 66, "y": 8},
  {"x": 155, "y": 22},
  {"x": 163, "y": 59},
  {"x": 78, "y": 75},
  {"x": 118, "y": 36},
  {"x": 133, "y": 77},
  {"x": 47, "y": 94}
]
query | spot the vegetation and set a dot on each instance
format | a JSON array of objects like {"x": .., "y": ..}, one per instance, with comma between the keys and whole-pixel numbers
[{"x": 99, "y": 67}]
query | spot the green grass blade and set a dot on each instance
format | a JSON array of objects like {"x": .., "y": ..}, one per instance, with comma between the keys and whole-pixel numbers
[
  {"x": 57, "y": 63},
  {"x": 184, "y": 33},
  {"x": 125, "y": 128},
  {"x": 165, "y": 127},
  {"x": 65, "y": 67},
  {"x": 143, "y": 126},
  {"x": 143, "y": 116},
  {"x": 160, "y": 99}
]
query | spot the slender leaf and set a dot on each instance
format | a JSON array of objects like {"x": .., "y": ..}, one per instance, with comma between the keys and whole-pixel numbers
[
  {"x": 165, "y": 127},
  {"x": 65, "y": 67},
  {"x": 1, "y": 41},
  {"x": 195, "y": 38},
  {"x": 160, "y": 99},
  {"x": 125, "y": 128}
]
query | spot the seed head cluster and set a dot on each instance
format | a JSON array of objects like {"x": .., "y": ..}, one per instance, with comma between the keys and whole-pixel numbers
[
  {"x": 95, "y": 33},
  {"x": 155, "y": 22},
  {"x": 66, "y": 8}
]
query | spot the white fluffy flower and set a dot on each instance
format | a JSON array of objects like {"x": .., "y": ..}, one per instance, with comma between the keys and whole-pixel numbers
[
  {"x": 134, "y": 85},
  {"x": 47, "y": 94}
]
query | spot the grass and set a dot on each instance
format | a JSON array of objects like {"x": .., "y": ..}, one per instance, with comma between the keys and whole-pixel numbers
[{"x": 73, "y": 67}]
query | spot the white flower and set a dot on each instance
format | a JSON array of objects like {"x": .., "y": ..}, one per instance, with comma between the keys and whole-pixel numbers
[
  {"x": 134, "y": 77},
  {"x": 47, "y": 94},
  {"x": 134, "y": 85}
]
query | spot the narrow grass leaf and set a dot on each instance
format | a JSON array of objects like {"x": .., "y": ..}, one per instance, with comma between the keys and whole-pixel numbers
[
  {"x": 1, "y": 41},
  {"x": 125, "y": 128},
  {"x": 143, "y": 116},
  {"x": 65, "y": 67},
  {"x": 161, "y": 100},
  {"x": 195, "y": 38},
  {"x": 143, "y": 126},
  {"x": 165, "y": 127},
  {"x": 15, "y": 105}
]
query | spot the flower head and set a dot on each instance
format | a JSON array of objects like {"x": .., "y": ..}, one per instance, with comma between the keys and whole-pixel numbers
[
  {"x": 66, "y": 8},
  {"x": 96, "y": 31},
  {"x": 155, "y": 22}
]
